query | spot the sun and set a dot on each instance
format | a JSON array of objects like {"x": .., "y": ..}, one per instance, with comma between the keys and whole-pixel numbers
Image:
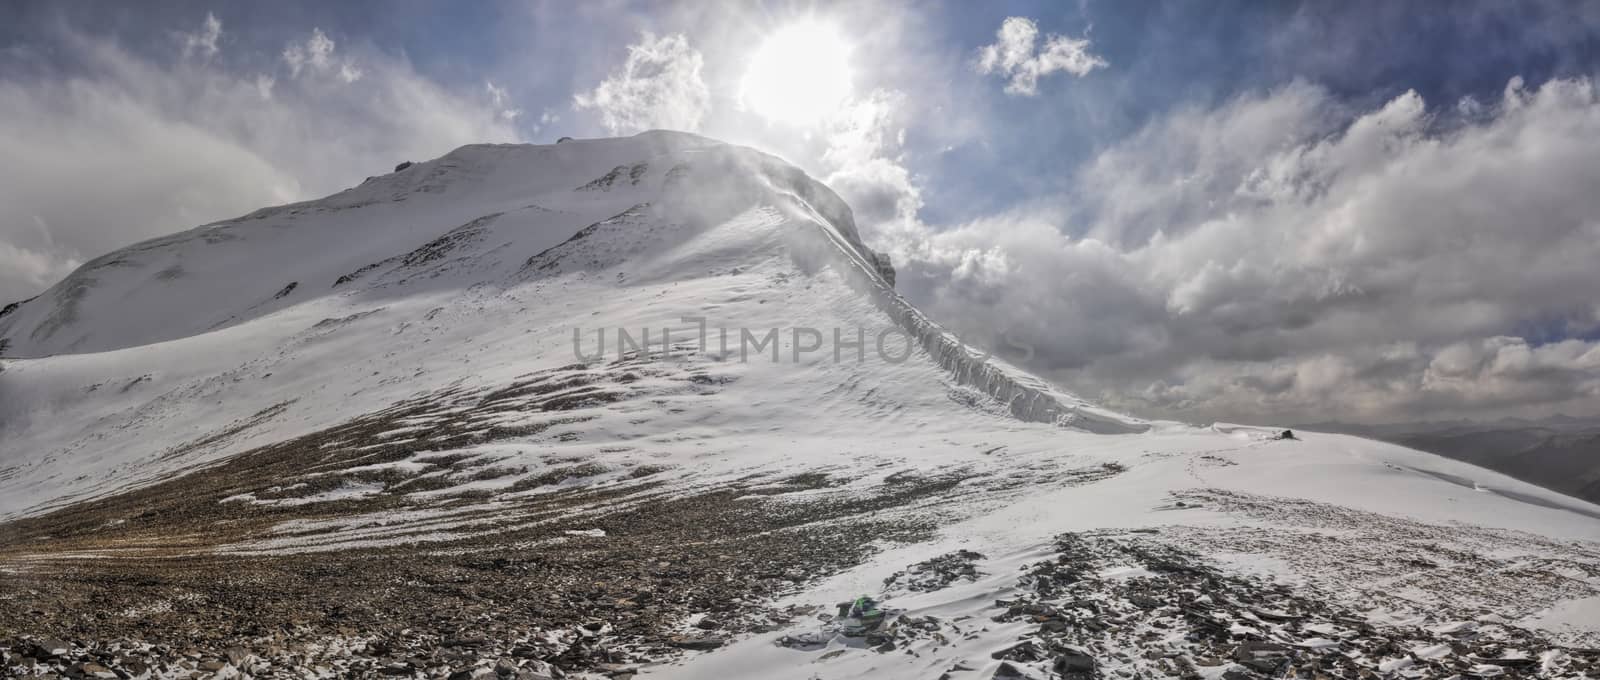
[{"x": 798, "y": 75}]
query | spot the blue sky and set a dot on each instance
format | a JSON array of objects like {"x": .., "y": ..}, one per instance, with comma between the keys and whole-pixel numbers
[
  {"x": 1163, "y": 55},
  {"x": 1245, "y": 210}
]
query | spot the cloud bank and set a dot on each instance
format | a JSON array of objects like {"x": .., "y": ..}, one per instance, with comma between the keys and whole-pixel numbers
[{"x": 1282, "y": 256}]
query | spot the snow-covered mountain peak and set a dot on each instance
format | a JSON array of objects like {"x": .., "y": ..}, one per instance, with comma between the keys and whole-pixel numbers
[
  {"x": 478, "y": 211},
  {"x": 572, "y": 244},
  {"x": 601, "y": 404}
]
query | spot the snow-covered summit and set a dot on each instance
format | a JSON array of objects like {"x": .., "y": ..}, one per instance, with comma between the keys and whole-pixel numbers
[
  {"x": 486, "y": 208},
  {"x": 408, "y": 410},
  {"x": 523, "y": 239}
]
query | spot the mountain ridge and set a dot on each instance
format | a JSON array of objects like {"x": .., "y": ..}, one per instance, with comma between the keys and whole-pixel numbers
[
  {"x": 429, "y": 469},
  {"x": 1560, "y": 453}
]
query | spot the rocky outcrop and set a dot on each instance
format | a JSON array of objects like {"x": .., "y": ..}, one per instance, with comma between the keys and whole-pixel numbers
[{"x": 12, "y": 307}]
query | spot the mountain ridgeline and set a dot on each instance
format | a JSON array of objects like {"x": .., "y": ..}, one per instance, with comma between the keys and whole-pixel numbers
[
  {"x": 357, "y": 437},
  {"x": 231, "y": 272}
]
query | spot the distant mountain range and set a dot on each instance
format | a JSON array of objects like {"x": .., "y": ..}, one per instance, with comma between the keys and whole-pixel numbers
[{"x": 1561, "y": 453}]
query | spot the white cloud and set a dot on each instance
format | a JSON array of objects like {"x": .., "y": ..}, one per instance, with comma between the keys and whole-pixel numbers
[
  {"x": 315, "y": 56},
  {"x": 349, "y": 72},
  {"x": 862, "y": 159},
  {"x": 502, "y": 101},
  {"x": 1281, "y": 256},
  {"x": 546, "y": 119},
  {"x": 1504, "y": 370},
  {"x": 204, "y": 41},
  {"x": 166, "y": 146},
  {"x": 659, "y": 86},
  {"x": 31, "y": 258},
  {"x": 1016, "y": 57},
  {"x": 264, "y": 84}
]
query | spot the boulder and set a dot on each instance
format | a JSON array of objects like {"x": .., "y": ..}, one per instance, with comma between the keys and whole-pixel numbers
[{"x": 699, "y": 643}]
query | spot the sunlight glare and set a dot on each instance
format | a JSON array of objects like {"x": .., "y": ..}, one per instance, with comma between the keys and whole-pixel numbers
[{"x": 799, "y": 75}]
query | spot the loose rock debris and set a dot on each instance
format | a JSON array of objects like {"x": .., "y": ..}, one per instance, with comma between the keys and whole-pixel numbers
[
  {"x": 937, "y": 573},
  {"x": 1129, "y": 604}
]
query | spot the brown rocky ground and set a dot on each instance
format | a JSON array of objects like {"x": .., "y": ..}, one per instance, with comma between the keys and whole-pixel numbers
[{"x": 191, "y": 575}]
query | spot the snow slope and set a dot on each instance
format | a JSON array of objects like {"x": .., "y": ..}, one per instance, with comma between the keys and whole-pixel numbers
[
  {"x": 433, "y": 275},
  {"x": 466, "y": 274}
]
